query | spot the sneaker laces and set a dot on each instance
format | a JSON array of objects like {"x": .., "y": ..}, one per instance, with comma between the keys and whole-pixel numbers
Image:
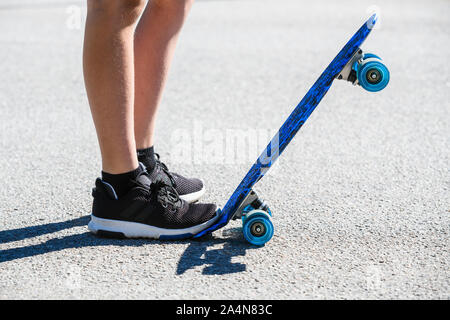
[
  {"x": 166, "y": 195},
  {"x": 165, "y": 170}
]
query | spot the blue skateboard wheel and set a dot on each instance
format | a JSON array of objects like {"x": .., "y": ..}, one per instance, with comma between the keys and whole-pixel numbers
[
  {"x": 372, "y": 74},
  {"x": 249, "y": 208},
  {"x": 370, "y": 55},
  {"x": 257, "y": 227}
]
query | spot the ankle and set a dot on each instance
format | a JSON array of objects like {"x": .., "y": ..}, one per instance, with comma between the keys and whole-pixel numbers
[
  {"x": 147, "y": 157},
  {"x": 122, "y": 182}
]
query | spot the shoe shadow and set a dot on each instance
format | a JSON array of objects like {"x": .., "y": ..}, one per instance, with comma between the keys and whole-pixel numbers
[
  {"x": 57, "y": 243},
  {"x": 34, "y": 231},
  {"x": 216, "y": 261}
]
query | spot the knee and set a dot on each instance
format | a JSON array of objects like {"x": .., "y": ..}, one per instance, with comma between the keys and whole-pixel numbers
[{"x": 128, "y": 11}]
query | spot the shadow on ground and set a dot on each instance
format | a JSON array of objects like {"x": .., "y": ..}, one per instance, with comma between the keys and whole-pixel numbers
[{"x": 216, "y": 261}]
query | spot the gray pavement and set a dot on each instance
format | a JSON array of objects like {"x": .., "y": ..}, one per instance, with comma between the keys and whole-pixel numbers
[{"x": 360, "y": 197}]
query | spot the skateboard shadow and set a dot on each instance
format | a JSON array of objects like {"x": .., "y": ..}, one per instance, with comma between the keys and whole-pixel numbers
[{"x": 216, "y": 261}]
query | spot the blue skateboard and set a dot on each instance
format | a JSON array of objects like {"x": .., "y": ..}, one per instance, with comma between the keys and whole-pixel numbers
[{"x": 350, "y": 64}]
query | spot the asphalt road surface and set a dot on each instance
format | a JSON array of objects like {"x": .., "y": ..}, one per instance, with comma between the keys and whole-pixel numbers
[{"x": 360, "y": 197}]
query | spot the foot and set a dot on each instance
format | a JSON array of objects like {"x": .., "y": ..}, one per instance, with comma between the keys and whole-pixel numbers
[
  {"x": 189, "y": 189},
  {"x": 148, "y": 210}
]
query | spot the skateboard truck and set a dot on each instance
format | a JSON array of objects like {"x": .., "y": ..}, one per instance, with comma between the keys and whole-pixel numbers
[
  {"x": 348, "y": 73},
  {"x": 366, "y": 70},
  {"x": 256, "y": 218},
  {"x": 254, "y": 202}
]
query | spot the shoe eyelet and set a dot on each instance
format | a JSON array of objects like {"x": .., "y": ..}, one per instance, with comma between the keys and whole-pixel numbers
[{"x": 172, "y": 210}]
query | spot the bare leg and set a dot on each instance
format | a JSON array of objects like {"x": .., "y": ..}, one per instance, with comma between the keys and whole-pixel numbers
[
  {"x": 109, "y": 78},
  {"x": 155, "y": 39}
]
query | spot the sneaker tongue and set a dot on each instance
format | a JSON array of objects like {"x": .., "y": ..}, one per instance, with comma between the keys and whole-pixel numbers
[{"x": 143, "y": 179}]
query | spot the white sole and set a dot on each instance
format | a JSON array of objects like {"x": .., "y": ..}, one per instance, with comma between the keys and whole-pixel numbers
[
  {"x": 192, "y": 197},
  {"x": 129, "y": 229}
]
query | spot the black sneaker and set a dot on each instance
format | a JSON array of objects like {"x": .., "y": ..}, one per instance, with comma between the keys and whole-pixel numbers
[
  {"x": 189, "y": 189},
  {"x": 148, "y": 210}
]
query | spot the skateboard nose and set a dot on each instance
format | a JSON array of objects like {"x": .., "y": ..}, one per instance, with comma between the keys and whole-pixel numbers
[{"x": 372, "y": 20}]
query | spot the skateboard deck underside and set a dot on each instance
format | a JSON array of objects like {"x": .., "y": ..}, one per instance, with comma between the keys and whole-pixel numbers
[{"x": 291, "y": 126}]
